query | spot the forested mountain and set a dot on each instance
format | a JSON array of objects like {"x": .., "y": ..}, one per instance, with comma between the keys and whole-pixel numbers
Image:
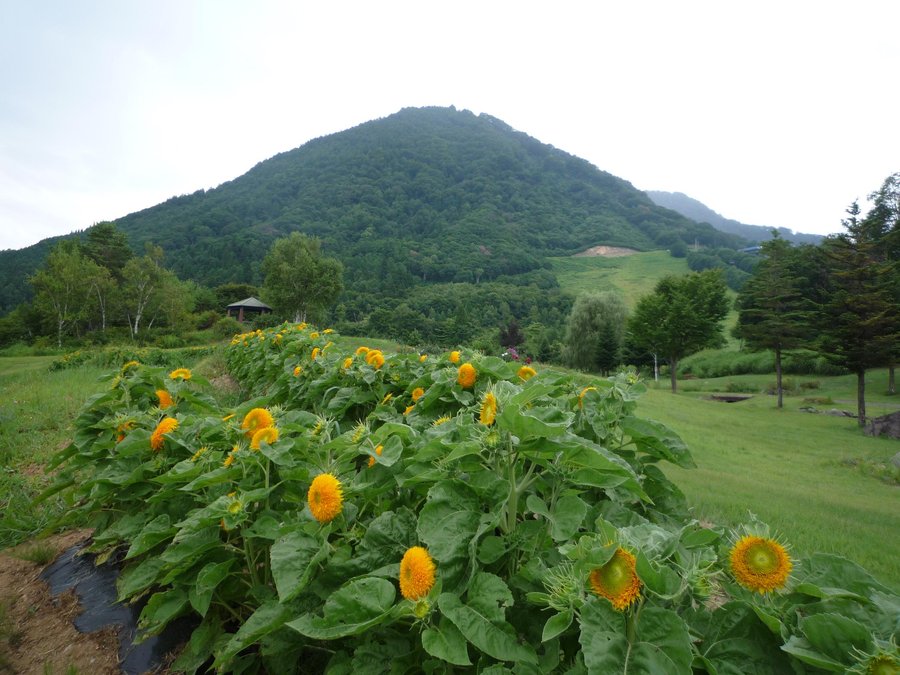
[
  {"x": 425, "y": 196},
  {"x": 695, "y": 210}
]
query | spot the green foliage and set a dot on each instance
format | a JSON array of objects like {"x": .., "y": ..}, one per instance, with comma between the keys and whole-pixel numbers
[
  {"x": 301, "y": 282},
  {"x": 594, "y": 332},
  {"x": 682, "y": 316},
  {"x": 421, "y": 198},
  {"x": 516, "y": 509},
  {"x": 724, "y": 362}
]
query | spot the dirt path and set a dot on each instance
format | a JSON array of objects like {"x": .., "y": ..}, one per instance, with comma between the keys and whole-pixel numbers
[{"x": 36, "y": 631}]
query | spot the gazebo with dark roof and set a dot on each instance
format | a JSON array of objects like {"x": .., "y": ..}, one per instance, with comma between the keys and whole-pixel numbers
[{"x": 247, "y": 307}]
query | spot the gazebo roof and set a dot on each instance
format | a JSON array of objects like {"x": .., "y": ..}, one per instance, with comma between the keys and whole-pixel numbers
[{"x": 249, "y": 302}]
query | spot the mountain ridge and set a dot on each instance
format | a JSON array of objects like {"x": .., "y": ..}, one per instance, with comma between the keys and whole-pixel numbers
[
  {"x": 426, "y": 195},
  {"x": 701, "y": 213}
]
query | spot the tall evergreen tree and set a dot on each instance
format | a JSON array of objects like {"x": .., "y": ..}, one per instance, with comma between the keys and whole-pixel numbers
[
  {"x": 108, "y": 247},
  {"x": 773, "y": 312},
  {"x": 883, "y": 224},
  {"x": 859, "y": 321},
  {"x": 681, "y": 316}
]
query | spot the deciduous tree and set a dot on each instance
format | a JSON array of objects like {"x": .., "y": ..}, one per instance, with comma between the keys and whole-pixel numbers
[
  {"x": 299, "y": 280},
  {"x": 683, "y": 315},
  {"x": 594, "y": 329}
]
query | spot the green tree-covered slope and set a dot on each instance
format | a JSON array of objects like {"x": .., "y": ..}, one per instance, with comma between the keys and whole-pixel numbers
[{"x": 424, "y": 196}]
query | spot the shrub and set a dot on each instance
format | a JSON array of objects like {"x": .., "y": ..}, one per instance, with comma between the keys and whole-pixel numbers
[
  {"x": 525, "y": 521},
  {"x": 227, "y": 327}
]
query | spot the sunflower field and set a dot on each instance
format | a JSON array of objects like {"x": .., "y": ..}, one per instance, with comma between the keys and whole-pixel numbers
[{"x": 366, "y": 512}]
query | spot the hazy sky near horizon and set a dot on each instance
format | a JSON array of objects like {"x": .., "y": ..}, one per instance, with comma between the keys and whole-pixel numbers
[{"x": 770, "y": 113}]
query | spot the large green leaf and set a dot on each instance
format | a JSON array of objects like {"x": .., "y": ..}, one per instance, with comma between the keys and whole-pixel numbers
[
  {"x": 294, "y": 558},
  {"x": 447, "y": 524},
  {"x": 161, "y": 608},
  {"x": 352, "y": 609},
  {"x": 824, "y": 574},
  {"x": 658, "y": 440},
  {"x": 733, "y": 640},
  {"x": 157, "y": 530},
  {"x": 495, "y": 640},
  {"x": 267, "y": 618},
  {"x": 557, "y": 624},
  {"x": 836, "y": 637},
  {"x": 208, "y": 579},
  {"x": 566, "y": 518},
  {"x": 490, "y": 596},
  {"x": 447, "y": 643},
  {"x": 137, "y": 578},
  {"x": 661, "y": 643}
]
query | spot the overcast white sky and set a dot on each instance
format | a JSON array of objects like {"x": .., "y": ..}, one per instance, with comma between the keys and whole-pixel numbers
[{"x": 771, "y": 113}]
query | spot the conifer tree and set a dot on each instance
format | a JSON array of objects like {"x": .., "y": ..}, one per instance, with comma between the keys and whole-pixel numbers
[
  {"x": 773, "y": 313},
  {"x": 859, "y": 320}
]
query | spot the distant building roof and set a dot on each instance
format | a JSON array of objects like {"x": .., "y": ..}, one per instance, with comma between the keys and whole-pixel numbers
[{"x": 249, "y": 302}]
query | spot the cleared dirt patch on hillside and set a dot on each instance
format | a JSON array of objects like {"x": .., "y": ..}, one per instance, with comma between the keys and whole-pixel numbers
[{"x": 606, "y": 252}]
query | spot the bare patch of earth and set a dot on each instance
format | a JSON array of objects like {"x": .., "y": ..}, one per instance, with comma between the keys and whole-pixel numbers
[
  {"x": 606, "y": 252},
  {"x": 36, "y": 630}
]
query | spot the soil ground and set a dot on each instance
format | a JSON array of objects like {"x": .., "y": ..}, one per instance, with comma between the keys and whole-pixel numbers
[
  {"x": 36, "y": 630},
  {"x": 606, "y": 252}
]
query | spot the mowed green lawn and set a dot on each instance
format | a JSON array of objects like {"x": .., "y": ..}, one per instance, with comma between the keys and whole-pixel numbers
[{"x": 816, "y": 479}]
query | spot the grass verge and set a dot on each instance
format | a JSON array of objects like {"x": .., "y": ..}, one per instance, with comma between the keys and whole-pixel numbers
[{"x": 805, "y": 475}]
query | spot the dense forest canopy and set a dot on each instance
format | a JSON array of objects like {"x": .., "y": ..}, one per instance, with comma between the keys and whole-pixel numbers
[{"x": 428, "y": 195}]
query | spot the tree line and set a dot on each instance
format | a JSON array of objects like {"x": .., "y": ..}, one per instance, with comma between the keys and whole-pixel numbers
[{"x": 840, "y": 299}]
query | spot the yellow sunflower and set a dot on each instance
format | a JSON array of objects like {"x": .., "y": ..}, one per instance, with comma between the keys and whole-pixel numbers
[
  {"x": 313, "y": 335},
  {"x": 315, "y": 353},
  {"x": 325, "y": 497},
  {"x": 297, "y": 370},
  {"x": 227, "y": 417},
  {"x": 422, "y": 358},
  {"x": 180, "y": 374},
  {"x": 256, "y": 419},
  {"x": 760, "y": 565},
  {"x": 361, "y": 351},
  {"x": 122, "y": 429},
  {"x": 347, "y": 362},
  {"x": 375, "y": 358},
  {"x": 582, "y": 395},
  {"x": 167, "y": 425},
  {"x": 409, "y": 409},
  {"x": 417, "y": 393},
  {"x": 267, "y": 434},
  {"x": 526, "y": 373},
  {"x": 454, "y": 357},
  {"x": 129, "y": 365},
  {"x": 443, "y": 419},
  {"x": 617, "y": 580},
  {"x": 466, "y": 376},
  {"x": 165, "y": 401},
  {"x": 378, "y": 452},
  {"x": 488, "y": 409},
  {"x": 416, "y": 573}
]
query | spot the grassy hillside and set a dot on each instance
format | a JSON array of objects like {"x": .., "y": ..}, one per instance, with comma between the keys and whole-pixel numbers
[
  {"x": 632, "y": 276},
  {"x": 814, "y": 478}
]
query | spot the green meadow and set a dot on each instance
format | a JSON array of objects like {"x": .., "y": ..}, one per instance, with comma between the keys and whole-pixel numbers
[
  {"x": 631, "y": 275},
  {"x": 814, "y": 478}
]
